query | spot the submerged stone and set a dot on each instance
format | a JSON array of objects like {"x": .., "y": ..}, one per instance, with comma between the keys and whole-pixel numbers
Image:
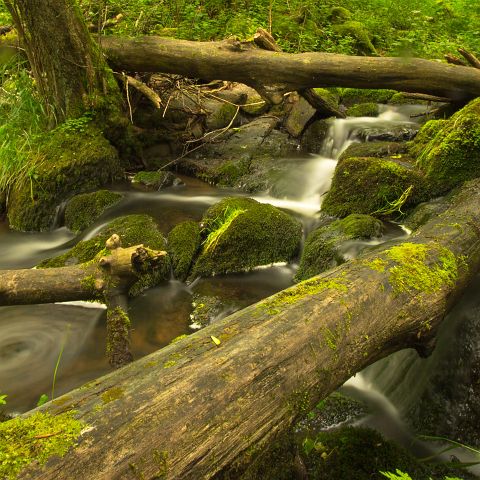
[
  {"x": 82, "y": 210},
  {"x": 241, "y": 233},
  {"x": 373, "y": 186},
  {"x": 394, "y": 150},
  {"x": 322, "y": 248}
]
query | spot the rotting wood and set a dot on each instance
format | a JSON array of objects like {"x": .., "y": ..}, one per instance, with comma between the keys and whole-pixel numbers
[{"x": 195, "y": 408}]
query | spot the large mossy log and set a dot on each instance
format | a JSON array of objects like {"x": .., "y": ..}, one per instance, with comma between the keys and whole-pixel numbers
[
  {"x": 209, "y": 402},
  {"x": 239, "y": 62}
]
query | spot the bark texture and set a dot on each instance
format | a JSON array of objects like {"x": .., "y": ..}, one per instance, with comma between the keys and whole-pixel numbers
[
  {"x": 240, "y": 62},
  {"x": 70, "y": 72},
  {"x": 199, "y": 407}
]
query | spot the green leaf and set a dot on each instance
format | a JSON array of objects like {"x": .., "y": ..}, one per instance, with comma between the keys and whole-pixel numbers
[
  {"x": 2, "y": 399},
  {"x": 215, "y": 340},
  {"x": 43, "y": 399}
]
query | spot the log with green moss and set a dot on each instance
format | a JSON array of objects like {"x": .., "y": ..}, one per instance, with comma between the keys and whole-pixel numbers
[{"x": 210, "y": 402}]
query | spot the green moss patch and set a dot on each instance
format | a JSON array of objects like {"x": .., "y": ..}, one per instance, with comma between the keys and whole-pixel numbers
[
  {"x": 414, "y": 271},
  {"x": 36, "y": 438},
  {"x": 304, "y": 289},
  {"x": 322, "y": 246},
  {"x": 363, "y": 110},
  {"x": 352, "y": 96},
  {"x": 373, "y": 186},
  {"x": 183, "y": 244},
  {"x": 67, "y": 162},
  {"x": 82, "y": 210},
  {"x": 453, "y": 153},
  {"x": 241, "y": 233}
]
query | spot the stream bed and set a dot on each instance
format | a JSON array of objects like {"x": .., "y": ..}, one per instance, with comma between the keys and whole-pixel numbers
[{"x": 69, "y": 338}]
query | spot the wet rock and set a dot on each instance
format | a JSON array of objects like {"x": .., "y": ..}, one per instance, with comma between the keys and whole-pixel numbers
[
  {"x": 389, "y": 133},
  {"x": 156, "y": 180},
  {"x": 241, "y": 157},
  {"x": 82, "y": 210},
  {"x": 314, "y": 136},
  {"x": 425, "y": 211},
  {"x": 183, "y": 244},
  {"x": 241, "y": 233},
  {"x": 322, "y": 248},
  {"x": 376, "y": 149},
  {"x": 375, "y": 186},
  {"x": 207, "y": 309},
  {"x": 299, "y": 115},
  {"x": 453, "y": 153},
  {"x": 363, "y": 110}
]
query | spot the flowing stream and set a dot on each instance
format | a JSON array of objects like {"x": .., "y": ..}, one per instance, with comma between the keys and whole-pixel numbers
[{"x": 34, "y": 339}]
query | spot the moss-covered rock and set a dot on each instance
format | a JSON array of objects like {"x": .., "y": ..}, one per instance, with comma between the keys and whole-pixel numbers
[
  {"x": 314, "y": 136},
  {"x": 156, "y": 180},
  {"x": 322, "y": 246},
  {"x": 241, "y": 233},
  {"x": 359, "y": 453},
  {"x": 363, "y": 110},
  {"x": 68, "y": 162},
  {"x": 352, "y": 96},
  {"x": 374, "y": 186},
  {"x": 220, "y": 114},
  {"x": 339, "y": 15},
  {"x": 426, "y": 211},
  {"x": 428, "y": 131},
  {"x": 359, "y": 33},
  {"x": 392, "y": 150},
  {"x": 82, "y": 210},
  {"x": 183, "y": 245},
  {"x": 453, "y": 153}
]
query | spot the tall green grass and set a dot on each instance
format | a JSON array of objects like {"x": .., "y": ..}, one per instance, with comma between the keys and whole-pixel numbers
[{"x": 23, "y": 121}]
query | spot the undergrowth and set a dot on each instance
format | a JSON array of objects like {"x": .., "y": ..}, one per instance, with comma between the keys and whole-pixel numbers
[{"x": 24, "y": 121}]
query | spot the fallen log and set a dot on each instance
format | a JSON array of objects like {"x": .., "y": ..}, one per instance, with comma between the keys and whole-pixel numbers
[
  {"x": 108, "y": 278},
  {"x": 241, "y": 62},
  {"x": 210, "y": 402}
]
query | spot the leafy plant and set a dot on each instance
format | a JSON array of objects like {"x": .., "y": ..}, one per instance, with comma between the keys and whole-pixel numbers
[
  {"x": 2, "y": 399},
  {"x": 219, "y": 225}
]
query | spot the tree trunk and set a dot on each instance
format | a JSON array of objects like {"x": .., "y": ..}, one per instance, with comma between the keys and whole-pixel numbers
[
  {"x": 211, "y": 401},
  {"x": 69, "y": 69},
  {"x": 256, "y": 67}
]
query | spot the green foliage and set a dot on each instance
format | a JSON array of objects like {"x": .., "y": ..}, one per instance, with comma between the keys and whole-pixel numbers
[
  {"x": 23, "y": 121},
  {"x": 2, "y": 399},
  {"x": 429, "y": 29},
  {"x": 398, "y": 475}
]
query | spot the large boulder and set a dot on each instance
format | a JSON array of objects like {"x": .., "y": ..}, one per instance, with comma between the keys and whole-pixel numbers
[
  {"x": 322, "y": 246},
  {"x": 241, "y": 233},
  {"x": 82, "y": 210},
  {"x": 374, "y": 186},
  {"x": 452, "y": 154},
  {"x": 68, "y": 161}
]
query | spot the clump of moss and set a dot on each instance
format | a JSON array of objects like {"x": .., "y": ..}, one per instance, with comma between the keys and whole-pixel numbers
[
  {"x": 66, "y": 162},
  {"x": 156, "y": 180},
  {"x": 414, "y": 272},
  {"x": 370, "y": 185},
  {"x": 36, "y": 438},
  {"x": 322, "y": 246},
  {"x": 453, "y": 154},
  {"x": 427, "y": 133},
  {"x": 363, "y": 110},
  {"x": 82, "y": 210},
  {"x": 339, "y": 15},
  {"x": 352, "y": 96},
  {"x": 257, "y": 234},
  {"x": 183, "y": 245},
  {"x": 300, "y": 291},
  {"x": 359, "y": 33},
  {"x": 132, "y": 229}
]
